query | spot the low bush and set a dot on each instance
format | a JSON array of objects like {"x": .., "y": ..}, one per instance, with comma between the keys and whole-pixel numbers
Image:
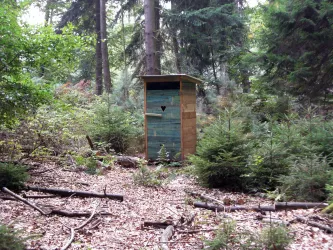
[
  {"x": 116, "y": 127},
  {"x": 274, "y": 238},
  {"x": 146, "y": 177},
  {"x": 9, "y": 239},
  {"x": 12, "y": 176},
  {"x": 227, "y": 237},
  {"x": 307, "y": 179}
]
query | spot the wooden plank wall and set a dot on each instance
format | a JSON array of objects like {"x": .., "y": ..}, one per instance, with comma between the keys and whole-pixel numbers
[
  {"x": 188, "y": 107},
  {"x": 166, "y": 129}
]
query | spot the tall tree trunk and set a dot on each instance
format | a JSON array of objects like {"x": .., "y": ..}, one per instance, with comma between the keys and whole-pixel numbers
[
  {"x": 157, "y": 36},
  {"x": 104, "y": 47},
  {"x": 175, "y": 42},
  {"x": 150, "y": 42},
  {"x": 99, "y": 82}
]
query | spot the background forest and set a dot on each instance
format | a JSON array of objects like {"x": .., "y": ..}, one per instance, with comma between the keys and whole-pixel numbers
[{"x": 264, "y": 108}]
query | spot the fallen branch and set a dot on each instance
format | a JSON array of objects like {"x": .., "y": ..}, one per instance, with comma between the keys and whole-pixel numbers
[
  {"x": 166, "y": 235},
  {"x": 258, "y": 208},
  {"x": 275, "y": 207},
  {"x": 79, "y": 227},
  {"x": 196, "y": 230},
  {"x": 299, "y": 205},
  {"x": 91, "y": 144},
  {"x": 314, "y": 224},
  {"x": 74, "y": 213},
  {"x": 6, "y": 190},
  {"x": 157, "y": 224},
  {"x": 64, "y": 192}
]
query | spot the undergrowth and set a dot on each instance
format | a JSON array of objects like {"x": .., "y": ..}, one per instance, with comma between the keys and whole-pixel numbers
[
  {"x": 9, "y": 239},
  {"x": 228, "y": 237},
  {"x": 12, "y": 176}
]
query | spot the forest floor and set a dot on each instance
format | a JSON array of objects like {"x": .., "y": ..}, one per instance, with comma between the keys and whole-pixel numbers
[{"x": 124, "y": 229}]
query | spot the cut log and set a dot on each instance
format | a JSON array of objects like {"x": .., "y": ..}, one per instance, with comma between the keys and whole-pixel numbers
[
  {"x": 314, "y": 224},
  {"x": 212, "y": 207},
  {"x": 66, "y": 193},
  {"x": 128, "y": 161},
  {"x": 166, "y": 235},
  {"x": 299, "y": 205}
]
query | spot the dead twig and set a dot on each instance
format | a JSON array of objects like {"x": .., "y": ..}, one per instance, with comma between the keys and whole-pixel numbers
[
  {"x": 79, "y": 227},
  {"x": 6, "y": 190}
]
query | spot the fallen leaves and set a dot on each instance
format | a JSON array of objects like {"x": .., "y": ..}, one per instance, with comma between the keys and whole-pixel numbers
[{"x": 124, "y": 228}]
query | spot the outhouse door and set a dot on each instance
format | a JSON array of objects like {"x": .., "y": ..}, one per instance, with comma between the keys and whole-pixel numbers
[{"x": 163, "y": 118}]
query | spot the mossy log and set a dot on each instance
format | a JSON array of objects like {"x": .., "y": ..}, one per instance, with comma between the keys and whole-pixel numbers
[{"x": 328, "y": 209}]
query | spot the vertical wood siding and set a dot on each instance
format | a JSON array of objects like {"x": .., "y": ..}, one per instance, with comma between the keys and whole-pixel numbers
[{"x": 166, "y": 129}]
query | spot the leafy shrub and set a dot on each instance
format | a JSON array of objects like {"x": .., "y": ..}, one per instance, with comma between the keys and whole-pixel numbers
[
  {"x": 227, "y": 237},
  {"x": 222, "y": 152},
  {"x": 275, "y": 238},
  {"x": 224, "y": 238},
  {"x": 146, "y": 177},
  {"x": 115, "y": 126},
  {"x": 54, "y": 130},
  {"x": 9, "y": 239},
  {"x": 12, "y": 176},
  {"x": 307, "y": 179}
]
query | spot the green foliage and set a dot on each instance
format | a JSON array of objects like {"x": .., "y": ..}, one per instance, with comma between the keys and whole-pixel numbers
[
  {"x": 221, "y": 153},
  {"x": 295, "y": 43},
  {"x": 307, "y": 179},
  {"x": 274, "y": 238},
  {"x": 268, "y": 158},
  {"x": 146, "y": 177},
  {"x": 12, "y": 176},
  {"x": 227, "y": 237},
  {"x": 115, "y": 126},
  {"x": 9, "y": 239},
  {"x": 163, "y": 155},
  {"x": 27, "y": 54}
]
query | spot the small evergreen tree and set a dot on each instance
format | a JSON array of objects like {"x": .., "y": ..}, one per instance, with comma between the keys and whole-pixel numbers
[
  {"x": 12, "y": 176},
  {"x": 222, "y": 152}
]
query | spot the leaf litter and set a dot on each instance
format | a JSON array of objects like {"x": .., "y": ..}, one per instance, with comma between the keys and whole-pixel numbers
[{"x": 123, "y": 229}]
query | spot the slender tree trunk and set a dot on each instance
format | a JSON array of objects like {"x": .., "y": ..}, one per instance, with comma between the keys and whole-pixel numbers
[
  {"x": 150, "y": 42},
  {"x": 104, "y": 48},
  {"x": 157, "y": 37},
  {"x": 175, "y": 42},
  {"x": 99, "y": 81}
]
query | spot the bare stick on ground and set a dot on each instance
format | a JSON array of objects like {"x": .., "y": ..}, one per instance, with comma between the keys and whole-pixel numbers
[
  {"x": 65, "y": 192},
  {"x": 166, "y": 235},
  {"x": 6, "y": 190},
  {"x": 79, "y": 227},
  {"x": 314, "y": 224}
]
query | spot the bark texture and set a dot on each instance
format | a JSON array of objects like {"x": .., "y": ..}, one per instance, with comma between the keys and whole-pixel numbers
[
  {"x": 99, "y": 69},
  {"x": 150, "y": 42},
  {"x": 104, "y": 48}
]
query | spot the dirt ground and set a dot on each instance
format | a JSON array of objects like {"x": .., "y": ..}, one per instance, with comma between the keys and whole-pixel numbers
[{"x": 124, "y": 229}]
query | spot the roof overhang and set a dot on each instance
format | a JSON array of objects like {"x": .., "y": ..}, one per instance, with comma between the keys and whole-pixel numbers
[{"x": 171, "y": 78}]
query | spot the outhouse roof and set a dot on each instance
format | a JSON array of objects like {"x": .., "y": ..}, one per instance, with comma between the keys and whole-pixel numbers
[{"x": 171, "y": 78}]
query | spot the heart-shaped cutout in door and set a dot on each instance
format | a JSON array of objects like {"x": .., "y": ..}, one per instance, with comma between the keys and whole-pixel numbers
[{"x": 163, "y": 108}]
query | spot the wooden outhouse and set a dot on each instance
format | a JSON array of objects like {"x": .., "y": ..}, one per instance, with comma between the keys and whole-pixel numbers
[{"x": 170, "y": 115}]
